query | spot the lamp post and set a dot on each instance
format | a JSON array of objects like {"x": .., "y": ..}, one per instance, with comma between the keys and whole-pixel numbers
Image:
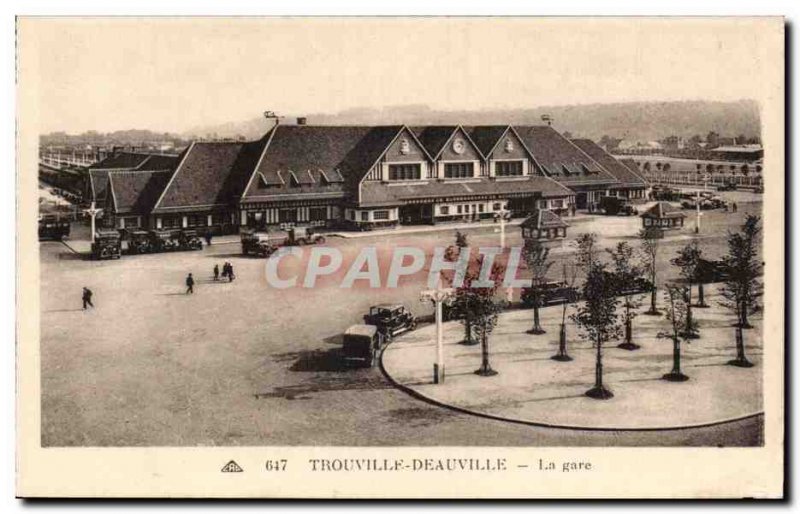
[
  {"x": 697, "y": 204},
  {"x": 93, "y": 212},
  {"x": 501, "y": 217},
  {"x": 439, "y": 296}
]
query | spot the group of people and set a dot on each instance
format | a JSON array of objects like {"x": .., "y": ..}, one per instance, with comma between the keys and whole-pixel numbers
[
  {"x": 734, "y": 207},
  {"x": 227, "y": 272}
]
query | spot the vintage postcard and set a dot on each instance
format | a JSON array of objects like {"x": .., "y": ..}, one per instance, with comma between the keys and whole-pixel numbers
[{"x": 400, "y": 257}]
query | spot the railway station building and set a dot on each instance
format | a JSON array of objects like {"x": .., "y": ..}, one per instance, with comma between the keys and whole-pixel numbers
[{"x": 365, "y": 176}]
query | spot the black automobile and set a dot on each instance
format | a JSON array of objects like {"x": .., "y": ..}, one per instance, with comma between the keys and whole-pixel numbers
[
  {"x": 391, "y": 319},
  {"x": 52, "y": 226},
  {"x": 360, "y": 345},
  {"x": 552, "y": 293},
  {"x": 138, "y": 241}
]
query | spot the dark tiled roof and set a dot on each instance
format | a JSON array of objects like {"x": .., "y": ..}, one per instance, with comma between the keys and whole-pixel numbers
[
  {"x": 544, "y": 218},
  {"x": 486, "y": 137},
  {"x": 136, "y": 191},
  {"x": 555, "y": 153},
  {"x": 98, "y": 181},
  {"x": 314, "y": 153},
  {"x": 663, "y": 210},
  {"x": 158, "y": 162},
  {"x": 376, "y": 193},
  {"x": 631, "y": 164},
  {"x": 434, "y": 137},
  {"x": 121, "y": 160},
  {"x": 609, "y": 163},
  {"x": 202, "y": 178}
]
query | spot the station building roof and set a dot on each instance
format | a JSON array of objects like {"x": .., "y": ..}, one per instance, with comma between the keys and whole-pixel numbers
[
  {"x": 622, "y": 173},
  {"x": 135, "y": 191}
]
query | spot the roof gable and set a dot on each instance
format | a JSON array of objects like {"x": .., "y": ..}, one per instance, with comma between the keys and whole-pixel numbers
[
  {"x": 460, "y": 147},
  {"x": 203, "y": 176},
  {"x": 434, "y": 137},
  {"x": 121, "y": 160},
  {"x": 136, "y": 191}
]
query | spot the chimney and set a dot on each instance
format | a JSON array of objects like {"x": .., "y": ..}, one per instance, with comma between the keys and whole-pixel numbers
[{"x": 302, "y": 120}]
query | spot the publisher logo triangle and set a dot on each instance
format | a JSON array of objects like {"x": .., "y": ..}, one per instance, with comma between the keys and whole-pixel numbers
[{"x": 232, "y": 467}]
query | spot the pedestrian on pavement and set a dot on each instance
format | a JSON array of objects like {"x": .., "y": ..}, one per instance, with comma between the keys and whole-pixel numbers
[
  {"x": 87, "y": 298},
  {"x": 208, "y": 237},
  {"x": 573, "y": 210},
  {"x": 231, "y": 276},
  {"x": 190, "y": 284},
  {"x": 216, "y": 272},
  {"x": 735, "y": 207}
]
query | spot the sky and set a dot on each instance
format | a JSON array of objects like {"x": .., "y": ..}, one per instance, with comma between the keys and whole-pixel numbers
[{"x": 175, "y": 74}]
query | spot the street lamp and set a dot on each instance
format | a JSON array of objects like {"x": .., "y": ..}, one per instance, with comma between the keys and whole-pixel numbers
[
  {"x": 439, "y": 296},
  {"x": 501, "y": 217},
  {"x": 93, "y": 212},
  {"x": 697, "y": 204}
]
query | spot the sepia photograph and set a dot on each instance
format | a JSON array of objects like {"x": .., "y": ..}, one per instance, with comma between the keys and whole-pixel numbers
[{"x": 333, "y": 235}]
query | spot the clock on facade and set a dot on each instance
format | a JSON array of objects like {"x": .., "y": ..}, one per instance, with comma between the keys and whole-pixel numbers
[
  {"x": 405, "y": 148},
  {"x": 458, "y": 146}
]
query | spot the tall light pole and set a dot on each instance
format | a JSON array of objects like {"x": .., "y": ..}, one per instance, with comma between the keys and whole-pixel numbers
[
  {"x": 439, "y": 296},
  {"x": 93, "y": 212},
  {"x": 697, "y": 204},
  {"x": 501, "y": 217}
]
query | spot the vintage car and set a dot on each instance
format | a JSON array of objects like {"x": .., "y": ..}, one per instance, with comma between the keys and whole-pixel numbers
[
  {"x": 107, "y": 245},
  {"x": 53, "y": 226},
  {"x": 361, "y": 345},
  {"x": 552, "y": 293},
  {"x": 258, "y": 244},
  {"x": 187, "y": 240},
  {"x": 728, "y": 186},
  {"x": 138, "y": 242},
  {"x": 391, "y": 319},
  {"x": 665, "y": 193},
  {"x": 161, "y": 241},
  {"x": 299, "y": 236},
  {"x": 615, "y": 206}
]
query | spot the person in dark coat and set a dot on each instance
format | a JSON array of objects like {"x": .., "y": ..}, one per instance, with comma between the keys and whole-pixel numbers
[
  {"x": 231, "y": 276},
  {"x": 87, "y": 298},
  {"x": 190, "y": 284},
  {"x": 208, "y": 237},
  {"x": 216, "y": 272}
]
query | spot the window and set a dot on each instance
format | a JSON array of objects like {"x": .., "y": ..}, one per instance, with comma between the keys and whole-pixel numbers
[
  {"x": 405, "y": 171},
  {"x": 480, "y": 207},
  {"x": 364, "y": 215},
  {"x": 287, "y": 215},
  {"x": 459, "y": 209},
  {"x": 318, "y": 213},
  {"x": 196, "y": 220},
  {"x": 444, "y": 210},
  {"x": 458, "y": 169},
  {"x": 380, "y": 215},
  {"x": 218, "y": 218},
  {"x": 132, "y": 222},
  {"x": 508, "y": 168},
  {"x": 496, "y": 207},
  {"x": 172, "y": 222},
  {"x": 557, "y": 204}
]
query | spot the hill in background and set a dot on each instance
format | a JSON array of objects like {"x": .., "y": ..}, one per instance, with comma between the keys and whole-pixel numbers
[{"x": 634, "y": 121}]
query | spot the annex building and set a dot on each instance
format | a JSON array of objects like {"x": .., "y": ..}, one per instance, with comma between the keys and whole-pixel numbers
[{"x": 359, "y": 177}]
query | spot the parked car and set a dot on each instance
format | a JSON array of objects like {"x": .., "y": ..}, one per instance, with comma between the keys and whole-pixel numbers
[
  {"x": 107, "y": 245},
  {"x": 729, "y": 186},
  {"x": 552, "y": 293},
  {"x": 258, "y": 244},
  {"x": 53, "y": 226},
  {"x": 391, "y": 319},
  {"x": 138, "y": 242},
  {"x": 299, "y": 236},
  {"x": 361, "y": 345},
  {"x": 187, "y": 240},
  {"x": 161, "y": 241},
  {"x": 615, "y": 206}
]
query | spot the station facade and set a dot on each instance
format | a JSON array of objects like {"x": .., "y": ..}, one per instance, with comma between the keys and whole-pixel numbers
[{"x": 368, "y": 176}]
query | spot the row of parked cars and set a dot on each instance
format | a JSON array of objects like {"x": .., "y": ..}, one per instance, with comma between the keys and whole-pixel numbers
[
  {"x": 108, "y": 243},
  {"x": 261, "y": 244}
]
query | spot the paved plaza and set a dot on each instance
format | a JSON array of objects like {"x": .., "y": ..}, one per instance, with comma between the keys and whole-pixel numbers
[
  {"x": 243, "y": 364},
  {"x": 531, "y": 387}
]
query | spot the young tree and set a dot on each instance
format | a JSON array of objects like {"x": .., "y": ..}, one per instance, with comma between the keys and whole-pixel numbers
[
  {"x": 706, "y": 272},
  {"x": 484, "y": 310},
  {"x": 569, "y": 274},
  {"x": 688, "y": 262},
  {"x": 597, "y": 319},
  {"x": 742, "y": 287},
  {"x": 537, "y": 259},
  {"x": 677, "y": 298},
  {"x": 585, "y": 246},
  {"x": 650, "y": 242},
  {"x": 458, "y": 308},
  {"x": 627, "y": 275}
]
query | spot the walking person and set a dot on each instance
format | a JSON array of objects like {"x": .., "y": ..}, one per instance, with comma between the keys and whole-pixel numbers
[
  {"x": 231, "y": 276},
  {"x": 735, "y": 207},
  {"x": 190, "y": 284},
  {"x": 208, "y": 237},
  {"x": 87, "y": 298},
  {"x": 216, "y": 272}
]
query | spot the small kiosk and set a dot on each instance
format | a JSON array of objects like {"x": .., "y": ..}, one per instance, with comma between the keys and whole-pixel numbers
[
  {"x": 544, "y": 226},
  {"x": 663, "y": 215}
]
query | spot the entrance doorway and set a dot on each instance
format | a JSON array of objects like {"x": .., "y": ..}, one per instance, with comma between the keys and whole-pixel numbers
[{"x": 416, "y": 214}]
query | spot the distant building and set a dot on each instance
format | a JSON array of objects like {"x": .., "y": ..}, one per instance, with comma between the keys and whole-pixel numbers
[{"x": 748, "y": 153}]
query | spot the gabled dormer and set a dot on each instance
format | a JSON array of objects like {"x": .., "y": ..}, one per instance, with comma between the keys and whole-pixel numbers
[{"x": 404, "y": 160}]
